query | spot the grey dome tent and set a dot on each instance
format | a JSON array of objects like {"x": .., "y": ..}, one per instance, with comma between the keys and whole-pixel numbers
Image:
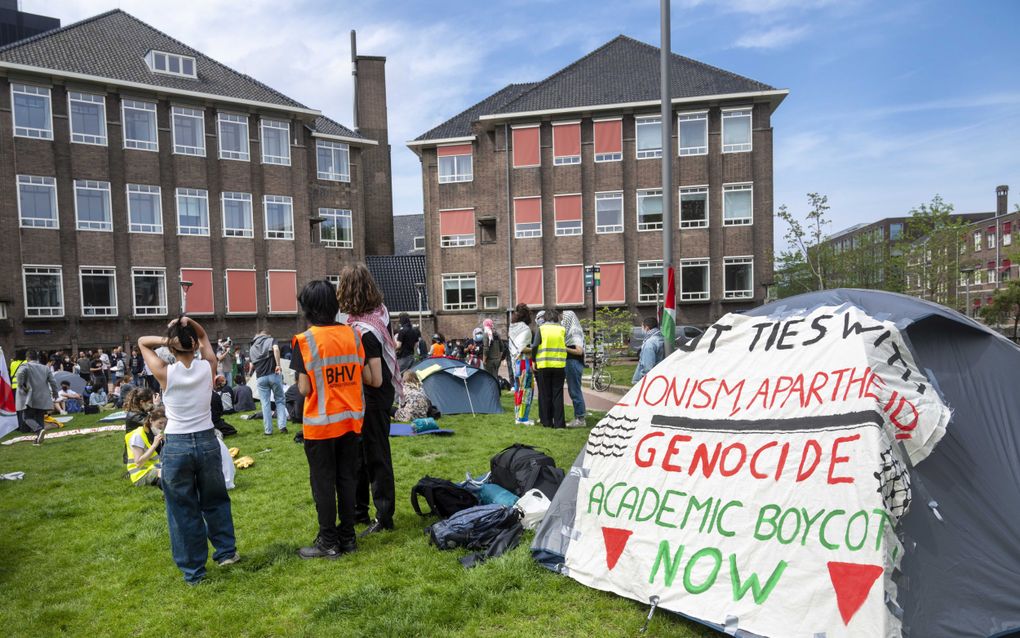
[
  {"x": 457, "y": 388},
  {"x": 953, "y": 551}
]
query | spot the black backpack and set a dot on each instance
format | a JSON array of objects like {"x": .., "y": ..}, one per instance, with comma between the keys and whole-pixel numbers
[
  {"x": 443, "y": 497},
  {"x": 520, "y": 468}
]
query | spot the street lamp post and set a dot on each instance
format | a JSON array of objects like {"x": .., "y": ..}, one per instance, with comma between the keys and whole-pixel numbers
[{"x": 968, "y": 271}]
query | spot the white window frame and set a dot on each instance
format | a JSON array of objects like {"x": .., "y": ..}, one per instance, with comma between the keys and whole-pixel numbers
[
  {"x": 148, "y": 311},
  {"x": 98, "y": 271},
  {"x": 3, "y": 310},
  {"x": 193, "y": 113},
  {"x": 284, "y": 200},
  {"x": 743, "y": 260},
  {"x": 226, "y": 289},
  {"x": 229, "y": 231},
  {"x": 199, "y": 193},
  {"x": 693, "y": 190},
  {"x": 991, "y": 275},
  {"x": 269, "y": 294},
  {"x": 525, "y": 233},
  {"x": 990, "y": 240},
  {"x": 691, "y": 116},
  {"x": 571, "y": 230},
  {"x": 95, "y": 185},
  {"x": 87, "y": 98},
  {"x": 644, "y": 297},
  {"x": 156, "y": 59},
  {"x": 25, "y": 131},
  {"x": 459, "y": 276},
  {"x": 455, "y": 241},
  {"x": 642, "y": 193},
  {"x": 38, "y": 180},
  {"x": 485, "y": 302},
  {"x": 608, "y": 229},
  {"x": 524, "y": 126},
  {"x": 43, "y": 269},
  {"x": 147, "y": 107},
  {"x": 608, "y": 157},
  {"x": 337, "y": 214},
  {"x": 645, "y": 120},
  {"x": 978, "y": 236},
  {"x": 458, "y": 175},
  {"x": 731, "y": 114},
  {"x": 1007, "y": 239},
  {"x": 145, "y": 189},
  {"x": 419, "y": 243},
  {"x": 335, "y": 149},
  {"x": 738, "y": 187},
  {"x": 278, "y": 125},
  {"x": 564, "y": 160},
  {"x": 233, "y": 119},
  {"x": 333, "y": 279},
  {"x": 696, "y": 263}
]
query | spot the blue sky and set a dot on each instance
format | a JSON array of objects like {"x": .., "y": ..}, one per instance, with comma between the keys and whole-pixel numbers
[{"x": 890, "y": 102}]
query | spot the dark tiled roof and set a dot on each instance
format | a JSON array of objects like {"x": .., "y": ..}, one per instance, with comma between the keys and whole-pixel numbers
[
  {"x": 327, "y": 126},
  {"x": 396, "y": 275},
  {"x": 460, "y": 125},
  {"x": 405, "y": 229},
  {"x": 113, "y": 45}
]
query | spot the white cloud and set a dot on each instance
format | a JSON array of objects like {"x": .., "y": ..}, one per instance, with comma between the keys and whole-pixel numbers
[{"x": 774, "y": 38}]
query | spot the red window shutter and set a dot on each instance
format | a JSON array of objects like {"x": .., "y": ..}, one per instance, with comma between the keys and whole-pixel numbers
[
  {"x": 241, "y": 297},
  {"x": 991, "y": 265},
  {"x": 567, "y": 207},
  {"x": 613, "y": 286},
  {"x": 609, "y": 137},
  {"x": 991, "y": 230},
  {"x": 200, "y": 295},
  {"x": 528, "y": 210},
  {"x": 529, "y": 286},
  {"x": 459, "y": 149},
  {"x": 283, "y": 291},
  {"x": 526, "y": 146},
  {"x": 566, "y": 140},
  {"x": 457, "y": 222},
  {"x": 569, "y": 285},
  {"x": 1007, "y": 228}
]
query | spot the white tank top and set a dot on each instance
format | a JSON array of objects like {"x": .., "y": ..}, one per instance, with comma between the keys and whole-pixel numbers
[{"x": 187, "y": 397}]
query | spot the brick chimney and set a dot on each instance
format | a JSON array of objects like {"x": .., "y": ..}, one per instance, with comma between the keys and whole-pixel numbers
[
  {"x": 1001, "y": 200},
  {"x": 370, "y": 120}
]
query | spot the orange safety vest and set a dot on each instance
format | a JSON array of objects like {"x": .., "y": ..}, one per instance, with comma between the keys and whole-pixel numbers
[{"x": 334, "y": 359}]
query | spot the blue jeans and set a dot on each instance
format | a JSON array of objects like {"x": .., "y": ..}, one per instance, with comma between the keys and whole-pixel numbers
[
  {"x": 197, "y": 504},
  {"x": 272, "y": 384},
  {"x": 574, "y": 370}
]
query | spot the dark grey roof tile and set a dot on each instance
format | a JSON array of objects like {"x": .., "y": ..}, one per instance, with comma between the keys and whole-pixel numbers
[{"x": 396, "y": 275}]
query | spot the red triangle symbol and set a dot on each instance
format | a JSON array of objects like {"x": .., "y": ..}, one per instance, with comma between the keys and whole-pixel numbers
[
  {"x": 616, "y": 539},
  {"x": 852, "y": 582}
]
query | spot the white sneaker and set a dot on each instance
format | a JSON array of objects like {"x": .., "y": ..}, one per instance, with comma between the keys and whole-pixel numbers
[
  {"x": 229, "y": 560},
  {"x": 577, "y": 423}
]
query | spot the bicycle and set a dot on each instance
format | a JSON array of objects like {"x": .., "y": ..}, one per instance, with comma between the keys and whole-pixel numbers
[{"x": 601, "y": 378}]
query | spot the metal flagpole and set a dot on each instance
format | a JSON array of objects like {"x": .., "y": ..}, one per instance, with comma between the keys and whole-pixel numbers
[{"x": 665, "y": 53}]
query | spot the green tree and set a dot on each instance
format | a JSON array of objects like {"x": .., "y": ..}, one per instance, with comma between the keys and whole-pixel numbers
[
  {"x": 611, "y": 327},
  {"x": 929, "y": 254},
  {"x": 806, "y": 263},
  {"x": 1005, "y": 306}
]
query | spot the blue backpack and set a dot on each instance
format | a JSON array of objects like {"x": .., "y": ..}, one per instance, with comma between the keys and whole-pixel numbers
[{"x": 474, "y": 528}]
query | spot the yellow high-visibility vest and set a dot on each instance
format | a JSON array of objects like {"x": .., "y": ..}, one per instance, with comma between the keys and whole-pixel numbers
[
  {"x": 138, "y": 471},
  {"x": 552, "y": 350},
  {"x": 14, "y": 370}
]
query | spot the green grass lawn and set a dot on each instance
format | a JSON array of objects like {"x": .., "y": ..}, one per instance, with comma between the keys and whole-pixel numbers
[{"x": 84, "y": 553}]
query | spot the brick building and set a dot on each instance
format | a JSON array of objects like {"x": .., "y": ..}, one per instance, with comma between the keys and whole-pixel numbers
[
  {"x": 525, "y": 188},
  {"x": 990, "y": 254},
  {"x": 130, "y": 162}
]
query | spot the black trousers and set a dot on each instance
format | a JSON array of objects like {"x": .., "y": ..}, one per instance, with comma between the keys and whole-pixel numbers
[
  {"x": 550, "y": 397},
  {"x": 376, "y": 466},
  {"x": 333, "y": 466}
]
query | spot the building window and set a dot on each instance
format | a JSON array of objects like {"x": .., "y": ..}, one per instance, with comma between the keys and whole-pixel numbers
[
  {"x": 33, "y": 113},
  {"x": 895, "y": 231},
  {"x": 457, "y": 228},
  {"x": 977, "y": 240},
  {"x": 694, "y": 280},
  {"x": 333, "y": 279},
  {"x": 738, "y": 273},
  {"x": 419, "y": 243},
  {"x": 237, "y": 215},
  {"x": 1007, "y": 233},
  {"x": 650, "y": 281},
  {"x": 192, "y": 211},
  {"x": 88, "y": 118},
  {"x": 613, "y": 283},
  {"x": 459, "y": 292},
  {"x": 526, "y": 146},
  {"x": 570, "y": 285},
  {"x": 736, "y": 131},
  {"x": 233, "y": 136},
  {"x": 333, "y": 161},
  {"x": 282, "y": 287},
  {"x": 3, "y": 310},
  {"x": 693, "y": 128},
  {"x": 140, "y": 125},
  {"x": 608, "y": 140},
  {"x": 648, "y": 131},
  {"x": 978, "y": 279},
  {"x": 200, "y": 295},
  {"x": 530, "y": 285},
  {"x": 242, "y": 298},
  {"x": 737, "y": 201},
  {"x": 149, "y": 290},
  {"x": 527, "y": 217},
  {"x": 567, "y": 214},
  {"x": 649, "y": 209},
  {"x": 171, "y": 64},
  {"x": 1006, "y": 266},
  {"x": 566, "y": 143},
  {"x": 98, "y": 292},
  {"x": 37, "y": 202},
  {"x": 145, "y": 209},
  {"x": 279, "y": 211},
  {"x": 92, "y": 205},
  {"x": 276, "y": 142},
  {"x": 455, "y": 163},
  {"x": 694, "y": 207},
  {"x": 991, "y": 237},
  {"x": 188, "y": 127},
  {"x": 609, "y": 212},
  {"x": 44, "y": 291},
  {"x": 338, "y": 229},
  {"x": 490, "y": 302}
]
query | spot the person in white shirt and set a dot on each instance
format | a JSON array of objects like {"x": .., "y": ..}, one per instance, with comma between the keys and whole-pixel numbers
[{"x": 63, "y": 395}]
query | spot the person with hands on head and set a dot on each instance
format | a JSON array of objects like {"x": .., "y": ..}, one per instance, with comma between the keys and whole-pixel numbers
[{"x": 197, "y": 504}]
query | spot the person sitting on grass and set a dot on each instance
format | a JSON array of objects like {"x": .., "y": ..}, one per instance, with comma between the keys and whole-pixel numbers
[
  {"x": 98, "y": 397},
  {"x": 117, "y": 396},
  {"x": 68, "y": 401},
  {"x": 415, "y": 404},
  {"x": 142, "y": 445},
  {"x": 244, "y": 400}
]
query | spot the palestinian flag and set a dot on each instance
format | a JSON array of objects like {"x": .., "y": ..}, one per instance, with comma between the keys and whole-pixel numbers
[
  {"x": 8, "y": 420},
  {"x": 668, "y": 321}
]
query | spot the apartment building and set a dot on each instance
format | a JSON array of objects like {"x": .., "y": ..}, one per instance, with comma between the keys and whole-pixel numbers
[
  {"x": 538, "y": 180},
  {"x": 989, "y": 254},
  {"x": 132, "y": 163}
]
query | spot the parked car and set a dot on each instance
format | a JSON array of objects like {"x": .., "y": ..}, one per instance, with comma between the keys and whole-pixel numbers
[{"x": 683, "y": 335}]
